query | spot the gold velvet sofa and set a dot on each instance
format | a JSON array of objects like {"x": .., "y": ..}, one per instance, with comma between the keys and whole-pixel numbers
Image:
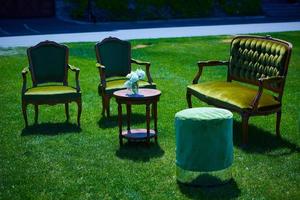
[{"x": 258, "y": 61}]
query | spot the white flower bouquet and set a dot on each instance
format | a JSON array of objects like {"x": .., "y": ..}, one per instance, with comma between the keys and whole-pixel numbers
[{"x": 133, "y": 78}]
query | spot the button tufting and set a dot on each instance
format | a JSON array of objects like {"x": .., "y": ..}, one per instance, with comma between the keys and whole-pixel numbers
[{"x": 255, "y": 58}]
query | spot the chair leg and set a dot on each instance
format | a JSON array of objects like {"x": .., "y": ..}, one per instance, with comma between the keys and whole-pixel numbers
[
  {"x": 103, "y": 105},
  {"x": 36, "y": 112},
  {"x": 278, "y": 119},
  {"x": 189, "y": 99},
  {"x": 24, "y": 110},
  {"x": 107, "y": 106},
  {"x": 245, "y": 120},
  {"x": 67, "y": 111},
  {"x": 79, "y": 104}
]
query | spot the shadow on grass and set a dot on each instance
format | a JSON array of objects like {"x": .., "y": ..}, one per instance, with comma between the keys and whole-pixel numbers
[
  {"x": 112, "y": 121},
  {"x": 50, "y": 129},
  {"x": 261, "y": 141},
  {"x": 139, "y": 151},
  {"x": 228, "y": 190}
]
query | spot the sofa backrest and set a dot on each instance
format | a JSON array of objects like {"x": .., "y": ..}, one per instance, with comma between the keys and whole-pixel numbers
[{"x": 254, "y": 57}]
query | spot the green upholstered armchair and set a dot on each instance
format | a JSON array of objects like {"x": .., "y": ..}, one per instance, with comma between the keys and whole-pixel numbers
[
  {"x": 48, "y": 66},
  {"x": 255, "y": 60},
  {"x": 114, "y": 63}
]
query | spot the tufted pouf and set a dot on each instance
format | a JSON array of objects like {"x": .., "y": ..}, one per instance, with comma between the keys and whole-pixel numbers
[{"x": 204, "y": 146}]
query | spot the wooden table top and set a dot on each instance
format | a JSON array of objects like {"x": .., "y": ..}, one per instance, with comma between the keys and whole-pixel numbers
[{"x": 143, "y": 94}]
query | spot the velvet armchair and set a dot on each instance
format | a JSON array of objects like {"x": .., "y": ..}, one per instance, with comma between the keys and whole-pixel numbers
[
  {"x": 48, "y": 66},
  {"x": 114, "y": 63}
]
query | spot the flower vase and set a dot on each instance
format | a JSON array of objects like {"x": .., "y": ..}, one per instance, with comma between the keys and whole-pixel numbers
[{"x": 135, "y": 88}]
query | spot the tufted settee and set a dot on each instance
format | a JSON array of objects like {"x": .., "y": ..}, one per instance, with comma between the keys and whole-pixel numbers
[{"x": 258, "y": 61}]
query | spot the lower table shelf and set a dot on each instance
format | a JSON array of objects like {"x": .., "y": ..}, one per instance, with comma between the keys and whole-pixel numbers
[{"x": 138, "y": 134}]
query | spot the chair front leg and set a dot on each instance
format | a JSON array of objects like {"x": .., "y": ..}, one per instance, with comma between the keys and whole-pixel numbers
[
  {"x": 36, "y": 112},
  {"x": 67, "y": 111},
  {"x": 24, "y": 109},
  {"x": 103, "y": 105},
  {"x": 107, "y": 105},
  {"x": 245, "y": 126},
  {"x": 79, "y": 104},
  {"x": 189, "y": 99},
  {"x": 278, "y": 119}
]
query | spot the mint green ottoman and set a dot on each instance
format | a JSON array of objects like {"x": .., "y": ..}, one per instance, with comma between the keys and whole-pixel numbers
[{"x": 204, "y": 146}]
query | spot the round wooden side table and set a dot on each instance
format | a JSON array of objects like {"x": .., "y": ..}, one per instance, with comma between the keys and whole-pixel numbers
[{"x": 147, "y": 97}]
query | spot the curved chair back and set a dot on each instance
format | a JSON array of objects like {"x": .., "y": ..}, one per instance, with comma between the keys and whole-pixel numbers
[
  {"x": 115, "y": 55},
  {"x": 48, "y": 62},
  {"x": 254, "y": 57}
]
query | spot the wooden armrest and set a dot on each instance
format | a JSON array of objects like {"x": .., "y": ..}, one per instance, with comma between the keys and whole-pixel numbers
[
  {"x": 139, "y": 62},
  {"x": 24, "y": 72},
  {"x": 265, "y": 83},
  {"x": 98, "y": 65},
  {"x": 207, "y": 63},
  {"x": 147, "y": 65},
  {"x": 102, "y": 75},
  {"x": 76, "y": 70},
  {"x": 73, "y": 68},
  {"x": 212, "y": 63}
]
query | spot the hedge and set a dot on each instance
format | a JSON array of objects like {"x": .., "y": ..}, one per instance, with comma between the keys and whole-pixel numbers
[
  {"x": 125, "y": 10},
  {"x": 241, "y": 7}
]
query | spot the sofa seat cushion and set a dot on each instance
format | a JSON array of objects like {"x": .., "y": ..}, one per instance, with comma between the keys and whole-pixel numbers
[
  {"x": 232, "y": 94},
  {"x": 51, "y": 92},
  {"x": 116, "y": 84}
]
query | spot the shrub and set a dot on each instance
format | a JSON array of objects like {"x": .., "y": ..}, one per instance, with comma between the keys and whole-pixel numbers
[
  {"x": 192, "y": 8},
  {"x": 78, "y": 9},
  {"x": 241, "y": 7},
  {"x": 120, "y": 10},
  {"x": 113, "y": 9},
  {"x": 154, "y": 9}
]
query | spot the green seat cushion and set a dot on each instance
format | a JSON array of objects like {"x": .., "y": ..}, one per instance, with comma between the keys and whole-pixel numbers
[
  {"x": 204, "y": 139},
  {"x": 113, "y": 85},
  {"x": 56, "y": 92},
  {"x": 232, "y": 93}
]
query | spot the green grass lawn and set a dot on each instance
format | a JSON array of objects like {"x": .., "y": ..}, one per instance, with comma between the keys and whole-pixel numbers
[{"x": 55, "y": 160}]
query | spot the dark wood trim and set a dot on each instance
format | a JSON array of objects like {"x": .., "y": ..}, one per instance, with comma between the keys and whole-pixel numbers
[
  {"x": 101, "y": 70},
  {"x": 67, "y": 111},
  {"x": 24, "y": 73},
  {"x": 209, "y": 63},
  {"x": 76, "y": 70},
  {"x": 120, "y": 122},
  {"x": 65, "y": 82}
]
